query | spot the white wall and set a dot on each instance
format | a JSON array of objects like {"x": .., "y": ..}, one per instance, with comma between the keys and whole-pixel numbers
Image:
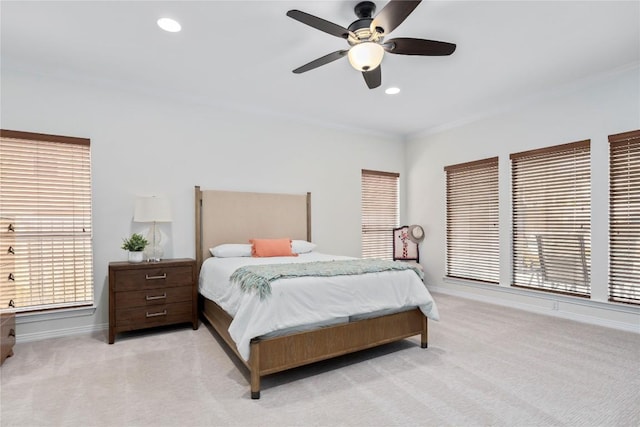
[
  {"x": 142, "y": 144},
  {"x": 587, "y": 110}
]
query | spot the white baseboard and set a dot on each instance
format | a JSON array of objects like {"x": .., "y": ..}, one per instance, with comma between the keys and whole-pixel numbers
[
  {"x": 561, "y": 310},
  {"x": 58, "y": 333}
]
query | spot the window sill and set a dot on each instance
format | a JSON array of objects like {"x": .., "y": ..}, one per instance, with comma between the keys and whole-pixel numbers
[{"x": 63, "y": 313}]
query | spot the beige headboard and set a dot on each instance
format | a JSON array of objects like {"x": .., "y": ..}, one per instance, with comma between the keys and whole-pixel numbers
[{"x": 236, "y": 217}]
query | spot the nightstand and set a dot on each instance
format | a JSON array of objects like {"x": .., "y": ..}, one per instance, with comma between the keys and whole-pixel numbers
[{"x": 149, "y": 294}]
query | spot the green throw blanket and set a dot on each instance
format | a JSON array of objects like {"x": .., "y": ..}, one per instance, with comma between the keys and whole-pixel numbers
[{"x": 258, "y": 278}]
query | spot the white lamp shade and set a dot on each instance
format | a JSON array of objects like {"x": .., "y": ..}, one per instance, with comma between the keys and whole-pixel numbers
[
  {"x": 366, "y": 56},
  {"x": 152, "y": 209}
]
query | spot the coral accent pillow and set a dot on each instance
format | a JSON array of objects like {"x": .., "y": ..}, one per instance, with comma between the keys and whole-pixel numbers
[{"x": 271, "y": 247}]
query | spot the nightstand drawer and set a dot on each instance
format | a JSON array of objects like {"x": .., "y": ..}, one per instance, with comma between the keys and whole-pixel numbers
[
  {"x": 153, "y": 297},
  {"x": 155, "y": 277},
  {"x": 156, "y": 315},
  {"x": 7, "y": 335}
]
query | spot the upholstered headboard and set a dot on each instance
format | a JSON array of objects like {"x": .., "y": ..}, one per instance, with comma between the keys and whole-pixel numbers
[{"x": 236, "y": 217}]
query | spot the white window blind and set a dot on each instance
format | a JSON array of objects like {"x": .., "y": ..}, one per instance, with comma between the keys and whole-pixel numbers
[
  {"x": 551, "y": 196},
  {"x": 45, "y": 190},
  {"x": 380, "y": 213},
  {"x": 473, "y": 246},
  {"x": 624, "y": 217}
]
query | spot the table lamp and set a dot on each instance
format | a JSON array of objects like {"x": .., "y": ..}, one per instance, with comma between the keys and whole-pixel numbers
[{"x": 153, "y": 209}]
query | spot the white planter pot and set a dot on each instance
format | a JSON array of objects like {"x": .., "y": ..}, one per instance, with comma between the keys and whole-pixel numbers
[{"x": 136, "y": 256}]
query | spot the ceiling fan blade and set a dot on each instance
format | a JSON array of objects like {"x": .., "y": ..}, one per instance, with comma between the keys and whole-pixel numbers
[
  {"x": 409, "y": 46},
  {"x": 319, "y": 23},
  {"x": 373, "y": 77},
  {"x": 392, "y": 15},
  {"x": 321, "y": 61}
]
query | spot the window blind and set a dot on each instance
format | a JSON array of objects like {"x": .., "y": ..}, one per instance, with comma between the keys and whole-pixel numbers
[
  {"x": 551, "y": 196},
  {"x": 473, "y": 247},
  {"x": 624, "y": 217},
  {"x": 45, "y": 190},
  {"x": 380, "y": 213}
]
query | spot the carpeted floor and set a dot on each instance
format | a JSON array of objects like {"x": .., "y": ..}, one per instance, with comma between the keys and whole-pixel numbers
[{"x": 485, "y": 366}]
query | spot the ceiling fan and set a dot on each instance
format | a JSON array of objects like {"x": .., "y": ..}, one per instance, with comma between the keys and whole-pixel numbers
[{"x": 366, "y": 38}]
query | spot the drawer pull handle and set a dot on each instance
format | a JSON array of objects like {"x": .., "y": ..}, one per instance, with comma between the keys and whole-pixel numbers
[
  {"x": 162, "y": 313},
  {"x": 12, "y": 333},
  {"x": 11, "y": 250},
  {"x": 162, "y": 276},
  {"x": 163, "y": 296},
  {"x": 10, "y": 227},
  {"x": 12, "y": 303},
  {"x": 11, "y": 277}
]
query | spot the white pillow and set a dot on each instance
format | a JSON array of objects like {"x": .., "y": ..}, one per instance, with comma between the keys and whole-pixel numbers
[
  {"x": 230, "y": 250},
  {"x": 302, "y": 246}
]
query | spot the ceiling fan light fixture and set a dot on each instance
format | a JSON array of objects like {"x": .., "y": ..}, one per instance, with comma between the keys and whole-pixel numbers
[
  {"x": 366, "y": 35},
  {"x": 170, "y": 25},
  {"x": 366, "y": 56}
]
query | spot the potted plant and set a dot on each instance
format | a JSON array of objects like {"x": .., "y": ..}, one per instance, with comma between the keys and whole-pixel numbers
[{"x": 135, "y": 245}]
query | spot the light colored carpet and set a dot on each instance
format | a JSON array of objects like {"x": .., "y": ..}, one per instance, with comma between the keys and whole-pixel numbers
[{"x": 485, "y": 365}]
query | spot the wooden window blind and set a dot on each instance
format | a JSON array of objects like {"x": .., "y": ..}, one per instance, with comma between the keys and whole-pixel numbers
[
  {"x": 45, "y": 190},
  {"x": 380, "y": 213},
  {"x": 473, "y": 246},
  {"x": 624, "y": 217},
  {"x": 551, "y": 196}
]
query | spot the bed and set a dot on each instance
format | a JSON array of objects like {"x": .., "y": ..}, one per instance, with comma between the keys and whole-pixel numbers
[{"x": 224, "y": 217}]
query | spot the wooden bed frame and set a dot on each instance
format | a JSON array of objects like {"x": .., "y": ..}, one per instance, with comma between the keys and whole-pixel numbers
[{"x": 235, "y": 217}]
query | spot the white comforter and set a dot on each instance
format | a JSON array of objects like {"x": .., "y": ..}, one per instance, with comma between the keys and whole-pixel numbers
[{"x": 307, "y": 300}]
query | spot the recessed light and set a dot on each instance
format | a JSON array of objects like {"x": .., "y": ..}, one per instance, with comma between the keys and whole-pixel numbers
[
  {"x": 169, "y": 25},
  {"x": 392, "y": 91}
]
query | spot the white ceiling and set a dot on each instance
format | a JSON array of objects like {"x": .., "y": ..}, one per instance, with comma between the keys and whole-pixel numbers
[{"x": 239, "y": 55}]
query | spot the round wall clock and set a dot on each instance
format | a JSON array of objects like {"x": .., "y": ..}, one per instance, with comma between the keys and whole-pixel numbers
[{"x": 416, "y": 233}]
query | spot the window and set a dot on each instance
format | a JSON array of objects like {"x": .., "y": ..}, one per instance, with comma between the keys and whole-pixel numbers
[
  {"x": 552, "y": 218},
  {"x": 473, "y": 247},
  {"x": 624, "y": 217},
  {"x": 380, "y": 213},
  {"x": 45, "y": 190}
]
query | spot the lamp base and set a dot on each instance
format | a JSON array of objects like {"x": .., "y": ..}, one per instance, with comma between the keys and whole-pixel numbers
[{"x": 153, "y": 252}]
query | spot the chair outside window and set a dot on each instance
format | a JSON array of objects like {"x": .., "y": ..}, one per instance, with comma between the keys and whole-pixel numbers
[{"x": 563, "y": 262}]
